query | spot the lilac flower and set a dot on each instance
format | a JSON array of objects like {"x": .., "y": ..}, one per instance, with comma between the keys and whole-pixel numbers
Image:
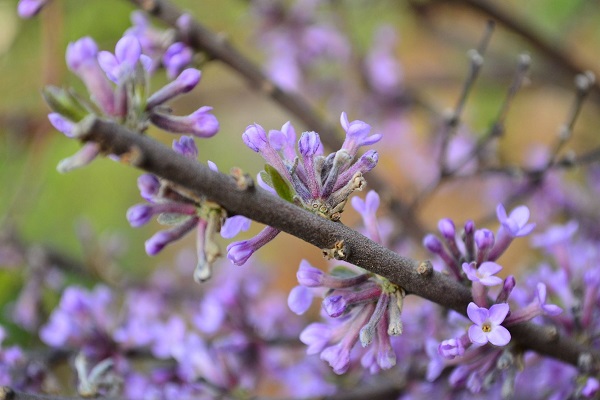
[
  {"x": 185, "y": 82},
  {"x": 234, "y": 225},
  {"x": 62, "y": 124},
  {"x": 300, "y": 299},
  {"x": 122, "y": 64},
  {"x": 240, "y": 252},
  {"x": 201, "y": 123},
  {"x": 319, "y": 184},
  {"x": 537, "y": 307},
  {"x": 512, "y": 226},
  {"x": 176, "y": 58},
  {"x": 82, "y": 60},
  {"x": 487, "y": 326},
  {"x": 30, "y": 8},
  {"x": 455, "y": 347},
  {"x": 484, "y": 274}
]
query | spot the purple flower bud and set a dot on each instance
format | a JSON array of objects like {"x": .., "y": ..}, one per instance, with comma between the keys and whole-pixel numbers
[
  {"x": 432, "y": 243},
  {"x": 159, "y": 240},
  {"x": 334, "y": 305},
  {"x": 446, "y": 228},
  {"x": 61, "y": 124},
  {"x": 176, "y": 58},
  {"x": 300, "y": 299},
  {"x": 186, "y": 146},
  {"x": 139, "y": 215},
  {"x": 200, "y": 123},
  {"x": 240, "y": 252},
  {"x": 88, "y": 153},
  {"x": 149, "y": 185},
  {"x": 81, "y": 53},
  {"x": 30, "y": 8},
  {"x": 484, "y": 239},
  {"x": 452, "y": 348},
  {"x": 185, "y": 82},
  {"x": 591, "y": 387},
  {"x": 316, "y": 336},
  {"x": 338, "y": 357},
  {"x": 507, "y": 287},
  {"x": 309, "y": 144},
  {"x": 308, "y": 275},
  {"x": 81, "y": 59},
  {"x": 255, "y": 137},
  {"x": 128, "y": 51}
]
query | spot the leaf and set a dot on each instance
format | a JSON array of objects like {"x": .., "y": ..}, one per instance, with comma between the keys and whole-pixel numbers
[
  {"x": 280, "y": 184},
  {"x": 171, "y": 218}
]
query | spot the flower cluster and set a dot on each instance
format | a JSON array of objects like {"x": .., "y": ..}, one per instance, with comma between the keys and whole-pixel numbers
[
  {"x": 118, "y": 86},
  {"x": 176, "y": 209},
  {"x": 318, "y": 183}
]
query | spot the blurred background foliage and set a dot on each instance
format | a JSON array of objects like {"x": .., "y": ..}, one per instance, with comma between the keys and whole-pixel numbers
[{"x": 46, "y": 207}]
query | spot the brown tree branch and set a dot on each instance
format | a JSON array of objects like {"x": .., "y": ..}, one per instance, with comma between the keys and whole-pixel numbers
[{"x": 151, "y": 156}]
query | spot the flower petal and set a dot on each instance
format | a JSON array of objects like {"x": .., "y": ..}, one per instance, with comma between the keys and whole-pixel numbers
[{"x": 499, "y": 336}]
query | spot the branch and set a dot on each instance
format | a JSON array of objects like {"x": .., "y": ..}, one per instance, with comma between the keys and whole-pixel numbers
[
  {"x": 257, "y": 204},
  {"x": 216, "y": 47},
  {"x": 7, "y": 393}
]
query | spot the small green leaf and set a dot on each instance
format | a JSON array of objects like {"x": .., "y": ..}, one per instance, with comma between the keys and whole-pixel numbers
[
  {"x": 65, "y": 103},
  {"x": 343, "y": 272},
  {"x": 280, "y": 184},
  {"x": 171, "y": 218}
]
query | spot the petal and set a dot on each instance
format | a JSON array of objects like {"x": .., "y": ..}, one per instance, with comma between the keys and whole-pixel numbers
[
  {"x": 477, "y": 314},
  {"x": 501, "y": 213},
  {"x": 499, "y": 336},
  {"x": 469, "y": 270},
  {"x": 498, "y": 312},
  {"x": 344, "y": 121},
  {"x": 520, "y": 215},
  {"x": 489, "y": 268},
  {"x": 476, "y": 335},
  {"x": 300, "y": 299},
  {"x": 235, "y": 225},
  {"x": 490, "y": 281}
]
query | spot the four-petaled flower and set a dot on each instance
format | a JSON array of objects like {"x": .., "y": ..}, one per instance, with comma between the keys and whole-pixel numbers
[{"x": 487, "y": 326}]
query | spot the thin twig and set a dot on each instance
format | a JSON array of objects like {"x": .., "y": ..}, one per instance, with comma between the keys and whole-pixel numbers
[{"x": 265, "y": 208}]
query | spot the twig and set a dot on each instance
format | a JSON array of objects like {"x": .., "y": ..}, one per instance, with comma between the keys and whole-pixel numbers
[
  {"x": 265, "y": 208},
  {"x": 216, "y": 47},
  {"x": 556, "y": 53}
]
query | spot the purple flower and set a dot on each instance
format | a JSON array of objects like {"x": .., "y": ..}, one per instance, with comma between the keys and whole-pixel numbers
[
  {"x": 591, "y": 387},
  {"x": 62, "y": 124},
  {"x": 128, "y": 52},
  {"x": 200, "y": 123},
  {"x": 149, "y": 185},
  {"x": 316, "y": 336},
  {"x": 240, "y": 252},
  {"x": 82, "y": 59},
  {"x": 357, "y": 135},
  {"x": 537, "y": 307},
  {"x": 367, "y": 209},
  {"x": 176, "y": 58},
  {"x": 185, "y": 82},
  {"x": 484, "y": 274},
  {"x": 455, "y": 347},
  {"x": 308, "y": 275},
  {"x": 487, "y": 326},
  {"x": 186, "y": 146},
  {"x": 30, "y": 8},
  {"x": 516, "y": 223}
]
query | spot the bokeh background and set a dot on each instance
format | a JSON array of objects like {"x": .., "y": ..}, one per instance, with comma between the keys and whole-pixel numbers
[{"x": 72, "y": 213}]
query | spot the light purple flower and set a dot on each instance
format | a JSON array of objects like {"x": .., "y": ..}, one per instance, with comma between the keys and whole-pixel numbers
[
  {"x": 487, "y": 326},
  {"x": 200, "y": 123},
  {"x": 308, "y": 275},
  {"x": 128, "y": 52},
  {"x": 484, "y": 274},
  {"x": 357, "y": 135},
  {"x": 176, "y": 58},
  {"x": 516, "y": 223},
  {"x": 186, "y": 146},
  {"x": 185, "y": 82},
  {"x": 240, "y": 252},
  {"x": 62, "y": 124}
]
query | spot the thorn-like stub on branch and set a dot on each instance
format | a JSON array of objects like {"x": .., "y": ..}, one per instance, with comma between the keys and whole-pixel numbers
[
  {"x": 340, "y": 251},
  {"x": 524, "y": 61},
  {"x": 243, "y": 180},
  {"x": 584, "y": 81},
  {"x": 6, "y": 393},
  {"x": 425, "y": 268},
  {"x": 84, "y": 127},
  {"x": 268, "y": 87},
  {"x": 585, "y": 363},
  {"x": 134, "y": 157},
  {"x": 475, "y": 57},
  {"x": 552, "y": 333}
]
